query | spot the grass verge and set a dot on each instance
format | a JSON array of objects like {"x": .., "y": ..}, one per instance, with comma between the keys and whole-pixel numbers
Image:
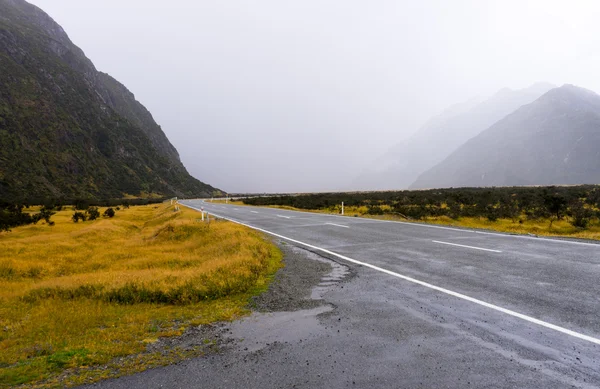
[
  {"x": 541, "y": 226},
  {"x": 82, "y": 301}
]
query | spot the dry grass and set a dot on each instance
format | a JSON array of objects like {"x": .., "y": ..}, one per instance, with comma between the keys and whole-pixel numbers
[
  {"x": 558, "y": 228},
  {"x": 83, "y": 294}
]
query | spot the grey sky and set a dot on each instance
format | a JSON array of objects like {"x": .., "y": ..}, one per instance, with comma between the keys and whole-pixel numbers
[{"x": 275, "y": 95}]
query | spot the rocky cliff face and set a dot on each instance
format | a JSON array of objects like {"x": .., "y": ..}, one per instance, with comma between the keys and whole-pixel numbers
[
  {"x": 67, "y": 130},
  {"x": 552, "y": 141}
]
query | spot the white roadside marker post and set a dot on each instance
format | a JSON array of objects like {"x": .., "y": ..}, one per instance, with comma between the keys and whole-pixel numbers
[{"x": 342, "y": 208}]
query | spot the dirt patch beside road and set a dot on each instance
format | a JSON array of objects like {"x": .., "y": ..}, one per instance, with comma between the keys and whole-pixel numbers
[{"x": 294, "y": 286}]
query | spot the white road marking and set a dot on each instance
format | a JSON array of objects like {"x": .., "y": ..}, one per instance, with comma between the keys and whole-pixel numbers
[
  {"x": 455, "y": 229},
  {"x": 530, "y": 319},
  {"x": 469, "y": 247},
  {"x": 305, "y": 225},
  {"x": 337, "y": 225},
  {"x": 235, "y": 209},
  {"x": 253, "y": 211},
  {"x": 285, "y": 217}
]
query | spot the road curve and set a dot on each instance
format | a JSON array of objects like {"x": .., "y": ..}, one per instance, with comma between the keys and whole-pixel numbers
[{"x": 430, "y": 307}]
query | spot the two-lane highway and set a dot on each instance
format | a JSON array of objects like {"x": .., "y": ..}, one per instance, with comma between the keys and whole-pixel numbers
[
  {"x": 549, "y": 280},
  {"x": 427, "y": 307}
]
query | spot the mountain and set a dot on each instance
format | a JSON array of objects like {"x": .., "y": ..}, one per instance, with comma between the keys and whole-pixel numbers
[
  {"x": 439, "y": 137},
  {"x": 553, "y": 141},
  {"x": 68, "y": 130}
]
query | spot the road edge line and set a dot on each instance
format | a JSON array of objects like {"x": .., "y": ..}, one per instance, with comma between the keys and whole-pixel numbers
[{"x": 423, "y": 283}]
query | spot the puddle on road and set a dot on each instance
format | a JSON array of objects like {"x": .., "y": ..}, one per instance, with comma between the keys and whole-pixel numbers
[
  {"x": 335, "y": 276},
  {"x": 260, "y": 330}
]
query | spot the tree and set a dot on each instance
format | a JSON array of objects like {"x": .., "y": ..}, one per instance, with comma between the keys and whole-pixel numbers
[
  {"x": 491, "y": 213},
  {"x": 454, "y": 210},
  {"x": 580, "y": 215},
  {"x": 555, "y": 204},
  {"x": 93, "y": 213},
  {"x": 79, "y": 216},
  {"x": 46, "y": 213},
  {"x": 109, "y": 212}
]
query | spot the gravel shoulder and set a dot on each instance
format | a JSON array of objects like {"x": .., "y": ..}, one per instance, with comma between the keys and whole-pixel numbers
[{"x": 291, "y": 288}]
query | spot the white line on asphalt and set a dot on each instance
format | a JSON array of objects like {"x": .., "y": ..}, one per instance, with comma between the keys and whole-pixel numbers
[
  {"x": 539, "y": 239},
  {"x": 469, "y": 247},
  {"x": 337, "y": 225},
  {"x": 253, "y": 211},
  {"x": 285, "y": 217},
  {"x": 430, "y": 286}
]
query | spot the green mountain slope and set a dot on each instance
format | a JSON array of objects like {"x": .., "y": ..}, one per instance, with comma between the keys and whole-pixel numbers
[{"x": 67, "y": 130}]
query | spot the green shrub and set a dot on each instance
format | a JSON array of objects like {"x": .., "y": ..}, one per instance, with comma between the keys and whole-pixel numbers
[
  {"x": 92, "y": 213},
  {"x": 580, "y": 215},
  {"x": 77, "y": 216}
]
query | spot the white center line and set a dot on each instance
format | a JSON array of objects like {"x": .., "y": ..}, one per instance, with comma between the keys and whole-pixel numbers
[
  {"x": 465, "y": 246},
  {"x": 465, "y": 230},
  {"x": 253, "y": 211},
  {"x": 337, "y": 225},
  {"x": 431, "y": 286},
  {"x": 285, "y": 217}
]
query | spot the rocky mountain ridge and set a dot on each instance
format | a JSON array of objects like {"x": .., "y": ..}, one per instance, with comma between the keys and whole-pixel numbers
[
  {"x": 553, "y": 141},
  {"x": 68, "y": 130},
  {"x": 441, "y": 135}
]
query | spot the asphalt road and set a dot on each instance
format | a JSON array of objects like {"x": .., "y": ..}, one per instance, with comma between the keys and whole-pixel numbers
[{"x": 429, "y": 307}]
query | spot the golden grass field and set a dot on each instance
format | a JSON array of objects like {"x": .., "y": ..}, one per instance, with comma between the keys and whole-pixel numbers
[
  {"x": 75, "y": 296},
  {"x": 558, "y": 228}
]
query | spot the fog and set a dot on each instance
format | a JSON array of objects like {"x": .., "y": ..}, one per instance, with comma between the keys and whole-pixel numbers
[{"x": 281, "y": 96}]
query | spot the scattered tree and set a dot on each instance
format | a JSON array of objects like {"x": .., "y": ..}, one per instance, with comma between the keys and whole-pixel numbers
[
  {"x": 580, "y": 215},
  {"x": 77, "y": 216},
  {"x": 491, "y": 213},
  {"x": 555, "y": 204},
  {"x": 92, "y": 213}
]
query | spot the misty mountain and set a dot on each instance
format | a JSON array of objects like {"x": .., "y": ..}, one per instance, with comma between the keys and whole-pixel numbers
[
  {"x": 554, "y": 140},
  {"x": 442, "y": 135},
  {"x": 68, "y": 130}
]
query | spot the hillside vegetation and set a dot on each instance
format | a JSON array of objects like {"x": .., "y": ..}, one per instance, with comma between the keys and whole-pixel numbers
[
  {"x": 78, "y": 296},
  {"x": 563, "y": 210},
  {"x": 70, "y": 131}
]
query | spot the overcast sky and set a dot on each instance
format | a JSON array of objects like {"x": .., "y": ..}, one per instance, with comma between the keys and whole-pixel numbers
[{"x": 266, "y": 96}]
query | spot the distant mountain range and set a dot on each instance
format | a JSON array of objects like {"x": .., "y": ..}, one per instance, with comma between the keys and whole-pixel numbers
[
  {"x": 441, "y": 136},
  {"x": 67, "y": 130},
  {"x": 555, "y": 140}
]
